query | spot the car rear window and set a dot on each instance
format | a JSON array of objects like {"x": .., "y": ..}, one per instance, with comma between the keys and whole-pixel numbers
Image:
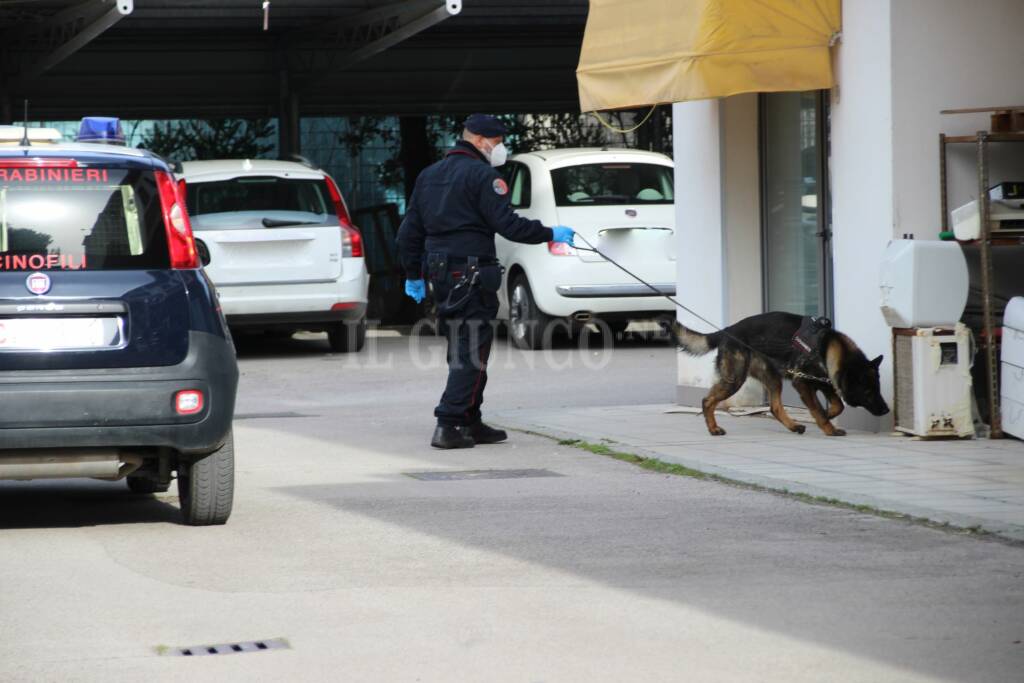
[
  {"x": 80, "y": 219},
  {"x": 302, "y": 200},
  {"x": 612, "y": 183}
]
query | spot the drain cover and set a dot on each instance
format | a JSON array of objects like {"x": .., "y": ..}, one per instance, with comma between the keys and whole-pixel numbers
[
  {"x": 481, "y": 474},
  {"x": 226, "y": 648},
  {"x": 267, "y": 416}
]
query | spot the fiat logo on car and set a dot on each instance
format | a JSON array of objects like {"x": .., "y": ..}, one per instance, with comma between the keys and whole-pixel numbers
[
  {"x": 38, "y": 283},
  {"x": 631, "y": 213}
]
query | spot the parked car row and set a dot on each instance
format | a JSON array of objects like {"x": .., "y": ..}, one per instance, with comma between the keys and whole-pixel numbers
[{"x": 121, "y": 278}]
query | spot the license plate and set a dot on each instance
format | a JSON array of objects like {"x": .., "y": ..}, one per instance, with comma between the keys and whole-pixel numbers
[
  {"x": 636, "y": 243},
  {"x": 56, "y": 334}
]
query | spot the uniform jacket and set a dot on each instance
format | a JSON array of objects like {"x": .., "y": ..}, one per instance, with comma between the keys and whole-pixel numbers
[{"x": 456, "y": 208}]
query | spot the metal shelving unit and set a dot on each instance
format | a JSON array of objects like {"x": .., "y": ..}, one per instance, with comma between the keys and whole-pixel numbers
[{"x": 981, "y": 140}]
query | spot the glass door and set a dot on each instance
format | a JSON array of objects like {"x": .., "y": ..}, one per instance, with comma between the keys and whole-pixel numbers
[{"x": 795, "y": 212}]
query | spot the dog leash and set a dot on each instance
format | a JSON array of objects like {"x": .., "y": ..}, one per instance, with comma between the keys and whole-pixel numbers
[{"x": 790, "y": 372}]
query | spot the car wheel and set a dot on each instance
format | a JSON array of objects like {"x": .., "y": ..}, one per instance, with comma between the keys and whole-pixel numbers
[
  {"x": 144, "y": 485},
  {"x": 347, "y": 337},
  {"x": 526, "y": 323},
  {"x": 206, "y": 487}
]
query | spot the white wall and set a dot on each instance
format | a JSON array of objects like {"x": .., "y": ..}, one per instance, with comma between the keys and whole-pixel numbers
[
  {"x": 861, "y": 167},
  {"x": 717, "y": 227},
  {"x": 741, "y": 222},
  {"x": 950, "y": 54},
  {"x": 741, "y": 207},
  {"x": 696, "y": 146}
]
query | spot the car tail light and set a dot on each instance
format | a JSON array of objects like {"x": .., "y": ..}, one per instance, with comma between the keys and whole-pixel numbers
[
  {"x": 180, "y": 242},
  {"x": 351, "y": 238},
  {"x": 344, "y": 306},
  {"x": 38, "y": 162},
  {"x": 351, "y": 241},
  {"x": 181, "y": 190},
  {"x": 188, "y": 402},
  {"x": 339, "y": 203},
  {"x": 560, "y": 249}
]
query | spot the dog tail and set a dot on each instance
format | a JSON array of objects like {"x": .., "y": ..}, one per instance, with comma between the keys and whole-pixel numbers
[{"x": 694, "y": 343}]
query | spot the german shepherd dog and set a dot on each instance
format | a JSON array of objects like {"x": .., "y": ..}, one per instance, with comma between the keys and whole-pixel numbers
[{"x": 764, "y": 346}]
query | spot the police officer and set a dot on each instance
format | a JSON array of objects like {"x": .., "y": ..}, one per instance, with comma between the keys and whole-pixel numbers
[{"x": 447, "y": 236}]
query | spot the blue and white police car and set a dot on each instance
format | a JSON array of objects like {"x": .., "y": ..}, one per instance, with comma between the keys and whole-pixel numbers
[{"x": 115, "y": 360}]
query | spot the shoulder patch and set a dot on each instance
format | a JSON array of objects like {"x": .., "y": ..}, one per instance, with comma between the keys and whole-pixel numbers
[{"x": 500, "y": 186}]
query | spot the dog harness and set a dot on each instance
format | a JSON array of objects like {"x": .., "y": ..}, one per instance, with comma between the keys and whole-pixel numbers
[{"x": 806, "y": 342}]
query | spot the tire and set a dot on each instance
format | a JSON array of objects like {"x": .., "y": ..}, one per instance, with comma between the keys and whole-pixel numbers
[
  {"x": 143, "y": 485},
  {"x": 206, "y": 487},
  {"x": 527, "y": 324},
  {"x": 347, "y": 337}
]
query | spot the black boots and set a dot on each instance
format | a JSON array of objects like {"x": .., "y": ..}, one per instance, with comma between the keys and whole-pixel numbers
[
  {"x": 448, "y": 436},
  {"x": 481, "y": 433}
]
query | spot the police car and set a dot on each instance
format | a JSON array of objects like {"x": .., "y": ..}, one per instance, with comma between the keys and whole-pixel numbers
[
  {"x": 619, "y": 200},
  {"x": 277, "y": 239},
  {"x": 115, "y": 361}
]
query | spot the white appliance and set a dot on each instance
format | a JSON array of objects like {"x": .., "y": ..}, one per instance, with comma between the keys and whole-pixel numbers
[
  {"x": 924, "y": 283},
  {"x": 933, "y": 381},
  {"x": 1012, "y": 368},
  {"x": 1006, "y": 213}
]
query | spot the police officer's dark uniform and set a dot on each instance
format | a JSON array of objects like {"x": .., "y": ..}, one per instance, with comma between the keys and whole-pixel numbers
[{"x": 447, "y": 237}]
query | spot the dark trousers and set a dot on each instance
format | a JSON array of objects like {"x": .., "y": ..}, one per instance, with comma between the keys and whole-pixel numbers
[{"x": 469, "y": 331}]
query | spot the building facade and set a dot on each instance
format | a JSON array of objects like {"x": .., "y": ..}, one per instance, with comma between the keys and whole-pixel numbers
[{"x": 787, "y": 201}]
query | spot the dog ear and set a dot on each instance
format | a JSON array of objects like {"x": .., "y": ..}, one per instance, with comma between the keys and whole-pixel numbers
[{"x": 876, "y": 362}]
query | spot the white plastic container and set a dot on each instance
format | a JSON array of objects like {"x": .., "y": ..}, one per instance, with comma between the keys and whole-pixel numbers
[
  {"x": 1013, "y": 332},
  {"x": 924, "y": 283},
  {"x": 967, "y": 223},
  {"x": 1011, "y": 392}
]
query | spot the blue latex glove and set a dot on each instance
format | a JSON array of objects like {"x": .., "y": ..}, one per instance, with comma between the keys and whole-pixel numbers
[
  {"x": 416, "y": 289},
  {"x": 563, "y": 234}
]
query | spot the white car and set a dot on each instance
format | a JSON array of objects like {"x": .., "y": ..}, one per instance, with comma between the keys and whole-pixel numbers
[
  {"x": 277, "y": 240},
  {"x": 621, "y": 201}
]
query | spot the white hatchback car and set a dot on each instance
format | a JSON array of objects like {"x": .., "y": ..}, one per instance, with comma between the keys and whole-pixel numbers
[
  {"x": 277, "y": 240},
  {"x": 621, "y": 201}
]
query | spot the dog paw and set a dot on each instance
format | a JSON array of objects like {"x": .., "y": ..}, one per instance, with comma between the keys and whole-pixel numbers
[
  {"x": 838, "y": 432},
  {"x": 799, "y": 429},
  {"x": 717, "y": 431}
]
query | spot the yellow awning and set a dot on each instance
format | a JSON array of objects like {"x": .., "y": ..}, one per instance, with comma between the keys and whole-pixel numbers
[{"x": 641, "y": 52}]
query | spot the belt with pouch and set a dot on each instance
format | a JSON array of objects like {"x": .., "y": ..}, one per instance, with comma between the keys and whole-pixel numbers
[
  {"x": 467, "y": 273},
  {"x": 485, "y": 272}
]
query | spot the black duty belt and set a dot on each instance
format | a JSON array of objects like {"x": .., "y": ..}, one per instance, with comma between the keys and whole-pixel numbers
[{"x": 460, "y": 261}]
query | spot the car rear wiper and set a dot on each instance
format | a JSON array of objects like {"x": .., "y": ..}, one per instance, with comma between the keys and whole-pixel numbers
[{"x": 276, "y": 223}]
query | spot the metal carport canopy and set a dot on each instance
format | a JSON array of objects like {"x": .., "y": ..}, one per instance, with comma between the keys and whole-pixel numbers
[{"x": 205, "y": 58}]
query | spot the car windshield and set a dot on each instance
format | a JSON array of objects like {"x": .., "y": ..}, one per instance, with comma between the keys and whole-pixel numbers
[
  {"x": 612, "y": 183},
  {"x": 80, "y": 219},
  {"x": 254, "y": 201}
]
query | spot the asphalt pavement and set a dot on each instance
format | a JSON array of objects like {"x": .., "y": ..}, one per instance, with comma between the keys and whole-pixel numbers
[{"x": 525, "y": 561}]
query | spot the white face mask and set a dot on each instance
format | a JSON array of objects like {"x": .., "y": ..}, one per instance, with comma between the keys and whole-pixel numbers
[{"x": 498, "y": 155}]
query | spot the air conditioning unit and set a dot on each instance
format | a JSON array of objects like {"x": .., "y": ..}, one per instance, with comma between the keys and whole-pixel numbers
[{"x": 933, "y": 381}]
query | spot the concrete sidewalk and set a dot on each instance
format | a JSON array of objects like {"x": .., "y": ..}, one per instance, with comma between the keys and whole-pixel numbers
[{"x": 966, "y": 483}]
